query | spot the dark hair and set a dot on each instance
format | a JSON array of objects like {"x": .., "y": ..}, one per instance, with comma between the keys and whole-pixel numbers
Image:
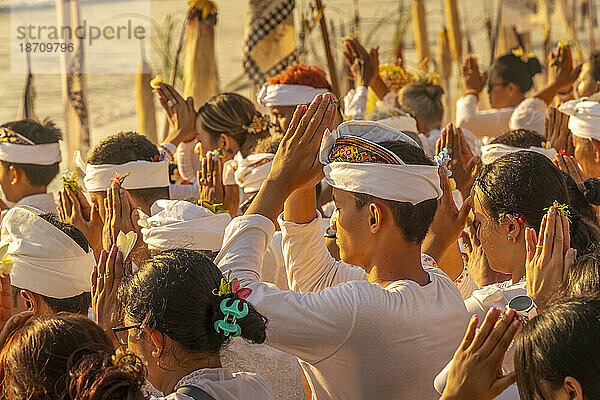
[
  {"x": 562, "y": 341},
  {"x": 522, "y": 138},
  {"x": 591, "y": 190},
  {"x": 81, "y": 303},
  {"x": 511, "y": 69},
  {"x": 231, "y": 114},
  {"x": 39, "y": 133},
  {"x": 423, "y": 100},
  {"x": 125, "y": 147},
  {"x": 66, "y": 357},
  {"x": 172, "y": 292},
  {"x": 412, "y": 220},
  {"x": 528, "y": 183},
  {"x": 595, "y": 65},
  {"x": 579, "y": 200},
  {"x": 584, "y": 275}
]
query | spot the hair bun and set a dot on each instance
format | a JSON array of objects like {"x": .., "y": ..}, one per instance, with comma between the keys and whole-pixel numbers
[
  {"x": 433, "y": 91},
  {"x": 533, "y": 66}
]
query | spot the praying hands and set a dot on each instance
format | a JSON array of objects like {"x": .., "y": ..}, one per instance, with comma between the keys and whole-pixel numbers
[{"x": 74, "y": 209}]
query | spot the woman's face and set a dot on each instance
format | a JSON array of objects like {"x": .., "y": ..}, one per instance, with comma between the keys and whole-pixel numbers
[
  {"x": 498, "y": 91},
  {"x": 492, "y": 236},
  {"x": 206, "y": 142}
]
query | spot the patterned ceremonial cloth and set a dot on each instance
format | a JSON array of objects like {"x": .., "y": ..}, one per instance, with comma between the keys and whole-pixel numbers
[
  {"x": 357, "y": 150},
  {"x": 269, "y": 39}
]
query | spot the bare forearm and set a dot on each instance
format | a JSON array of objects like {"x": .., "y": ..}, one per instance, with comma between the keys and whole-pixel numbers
[
  {"x": 379, "y": 87},
  {"x": 300, "y": 206},
  {"x": 269, "y": 200},
  {"x": 548, "y": 92}
]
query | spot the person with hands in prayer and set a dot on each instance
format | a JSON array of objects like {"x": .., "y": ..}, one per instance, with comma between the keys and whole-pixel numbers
[{"x": 338, "y": 319}]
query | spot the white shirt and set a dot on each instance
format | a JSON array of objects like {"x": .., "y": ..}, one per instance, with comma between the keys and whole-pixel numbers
[
  {"x": 495, "y": 295},
  {"x": 44, "y": 202},
  {"x": 356, "y": 340},
  {"x": 355, "y": 103},
  {"x": 219, "y": 383},
  {"x": 481, "y": 123}
]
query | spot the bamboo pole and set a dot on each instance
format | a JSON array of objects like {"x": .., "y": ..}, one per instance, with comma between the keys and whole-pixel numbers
[
  {"x": 454, "y": 29},
  {"x": 420, "y": 32},
  {"x": 328, "y": 53},
  {"x": 592, "y": 44},
  {"x": 496, "y": 32},
  {"x": 145, "y": 109},
  {"x": 569, "y": 26}
]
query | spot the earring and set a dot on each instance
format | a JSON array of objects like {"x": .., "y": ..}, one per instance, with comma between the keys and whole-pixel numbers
[{"x": 510, "y": 238}]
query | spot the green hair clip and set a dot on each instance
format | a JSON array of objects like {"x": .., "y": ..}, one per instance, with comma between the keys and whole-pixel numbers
[
  {"x": 562, "y": 208},
  {"x": 228, "y": 325}
]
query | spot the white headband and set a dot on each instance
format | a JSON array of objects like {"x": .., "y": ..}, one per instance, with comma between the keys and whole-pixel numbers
[
  {"x": 181, "y": 224},
  {"x": 36, "y": 154},
  {"x": 492, "y": 152},
  {"x": 142, "y": 175},
  {"x": 585, "y": 117},
  {"x": 395, "y": 180},
  {"x": 287, "y": 95},
  {"x": 44, "y": 259},
  {"x": 250, "y": 172}
]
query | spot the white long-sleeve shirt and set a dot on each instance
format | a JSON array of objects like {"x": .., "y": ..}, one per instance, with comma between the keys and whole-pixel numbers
[
  {"x": 355, "y": 340},
  {"x": 481, "y": 123}
]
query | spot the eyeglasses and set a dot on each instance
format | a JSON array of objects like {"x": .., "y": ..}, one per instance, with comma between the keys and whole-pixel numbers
[
  {"x": 492, "y": 85},
  {"x": 121, "y": 332}
]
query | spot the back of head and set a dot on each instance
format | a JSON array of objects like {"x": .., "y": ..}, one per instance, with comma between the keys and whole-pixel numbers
[
  {"x": 528, "y": 183},
  {"x": 39, "y": 133},
  {"x": 584, "y": 275},
  {"x": 79, "y": 304},
  {"x": 172, "y": 292},
  {"x": 233, "y": 115},
  {"x": 268, "y": 145},
  {"x": 412, "y": 220},
  {"x": 302, "y": 74},
  {"x": 558, "y": 343},
  {"x": 522, "y": 138},
  {"x": 513, "y": 69},
  {"x": 66, "y": 357},
  {"x": 424, "y": 100},
  {"x": 125, "y": 147}
]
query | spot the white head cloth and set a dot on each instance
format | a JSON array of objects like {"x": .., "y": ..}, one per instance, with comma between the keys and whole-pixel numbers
[
  {"x": 142, "y": 175},
  {"x": 492, "y": 152},
  {"x": 45, "y": 260},
  {"x": 585, "y": 117},
  {"x": 401, "y": 123},
  {"x": 181, "y": 224},
  {"x": 37, "y": 154},
  {"x": 398, "y": 182},
  {"x": 287, "y": 95},
  {"x": 250, "y": 172}
]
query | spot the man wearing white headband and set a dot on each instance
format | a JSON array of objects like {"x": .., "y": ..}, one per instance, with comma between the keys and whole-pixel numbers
[
  {"x": 584, "y": 123},
  {"x": 30, "y": 157},
  {"x": 371, "y": 332},
  {"x": 299, "y": 84},
  {"x": 514, "y": 141},
  {"x": 50, "y": 263}
]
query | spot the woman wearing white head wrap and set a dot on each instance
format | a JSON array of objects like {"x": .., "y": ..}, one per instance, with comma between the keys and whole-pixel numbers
[
  {"x": 584, "y": 124},
  {"x": 49, "y": 261}
]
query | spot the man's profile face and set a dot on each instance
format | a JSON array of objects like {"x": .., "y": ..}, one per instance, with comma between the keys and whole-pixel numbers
[{"x": 352, "y": 225}]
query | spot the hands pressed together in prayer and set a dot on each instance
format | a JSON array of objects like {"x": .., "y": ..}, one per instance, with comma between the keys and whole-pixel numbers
[
  {"x": 556, "y": 131},
  {"x": 181, "y": 114},
  {"x": 473, "y": 81},
  {"x": 363, "y": 66},
  {"x": 74, "y": 209}
]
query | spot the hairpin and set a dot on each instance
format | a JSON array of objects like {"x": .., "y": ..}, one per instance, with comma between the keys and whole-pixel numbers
[
  {"x": 562, "y": 208},
  {"x": 71, "y": 180},
  {"x": 518, "y": 217},
  {"x": 522, "y": 55},
  {"x": 228, "y": 325},
  {"x": 232, "y": 286}
]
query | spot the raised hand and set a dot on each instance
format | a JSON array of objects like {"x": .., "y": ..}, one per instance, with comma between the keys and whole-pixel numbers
[
  {"x": 120, "y": 215},
  {"x": 569, "y": 165},
  {"x": 8, "y": 321},
  {"x": 296, "y": 163},
  {"x": 476, "y": 364},
  {"x": 105, "y": 281},
  {"x": 212, "y": 189},
  {"x": 549, "y": 257},
  {"x": 181, "y": 114},
  {"x": 473, "y": 81},
  {"x": 557, "y": 132},
  {"x": 74, "y": 209},
  {"x": 463, "y": 164},
  {"x": 561, "y": 71},
  {"x": 448, "y": 222},
  {"x": 362, "y": 64}
]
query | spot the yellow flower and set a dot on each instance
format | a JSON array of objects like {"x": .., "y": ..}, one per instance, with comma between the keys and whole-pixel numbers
[
  {"x": 224, "y": 288},
  {"x": 565, "y": 43},
  {"x": 522, "y": 55},
  {"x": 155, "y": 83},
  {"x": 349, "y": 36}
]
